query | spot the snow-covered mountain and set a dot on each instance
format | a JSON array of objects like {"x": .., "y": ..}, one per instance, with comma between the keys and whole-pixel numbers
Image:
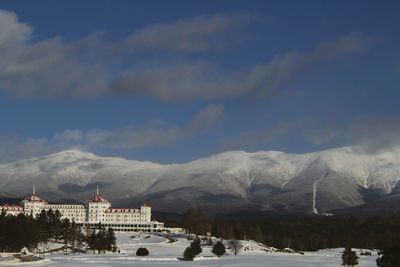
[{"x": 228, "y": 182}]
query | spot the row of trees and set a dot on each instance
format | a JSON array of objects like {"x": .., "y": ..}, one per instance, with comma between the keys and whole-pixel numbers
[
  {"x": 102, "y": 240},
  {"x": 305, "y": 234},
  {"x": 312, "y": 233},
  {"x": 21, "y": 231},
  {"x": 17, "y": 232},
  {"x": 218, "y": 249}
]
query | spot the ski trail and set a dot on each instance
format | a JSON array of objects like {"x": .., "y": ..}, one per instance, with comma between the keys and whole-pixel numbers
[
  {"x": 249, "y": 182},
  {"x": 315, "y": 191},
  {"x": 315, "y": 211},
  {"x": 314, "y": 201}
]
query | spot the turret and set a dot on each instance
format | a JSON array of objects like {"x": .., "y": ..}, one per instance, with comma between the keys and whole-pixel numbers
[
  {"x": 145, "y": 212},
  {"x": 95, "y": 208},
  {"x": 33, "y": 205}
]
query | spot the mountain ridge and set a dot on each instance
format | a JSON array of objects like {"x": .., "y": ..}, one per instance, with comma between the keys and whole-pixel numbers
[{"x": 308, "y": 183}]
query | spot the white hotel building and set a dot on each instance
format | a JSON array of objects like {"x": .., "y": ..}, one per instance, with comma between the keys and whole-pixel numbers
[{"x": 94, "y": 211}]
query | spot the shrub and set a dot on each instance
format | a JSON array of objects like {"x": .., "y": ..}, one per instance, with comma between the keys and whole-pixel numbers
[
  {"x": 142, "y": 252},
  {"x": 218, "y": 249},
  {"x": 195, "y": 245},
  {"x": 188, "y": 254},
  {"x": 349, "y": 257}
]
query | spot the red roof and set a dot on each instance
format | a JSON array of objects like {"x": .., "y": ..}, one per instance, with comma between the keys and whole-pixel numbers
[
  {"x": 146, "y": 204},
  {"x": 34, "y": 198},
  {"x": 98, "y": 199}
]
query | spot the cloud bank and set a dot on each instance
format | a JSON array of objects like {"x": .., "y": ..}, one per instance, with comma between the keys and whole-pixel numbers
[
  {"x": 92, "y": 67},
  {"x": 153, "y": 134},
  {"x": 369, "y": 134}
]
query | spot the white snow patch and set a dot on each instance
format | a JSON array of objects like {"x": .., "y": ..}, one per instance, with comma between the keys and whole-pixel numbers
[{"x": 165, "y": 254}]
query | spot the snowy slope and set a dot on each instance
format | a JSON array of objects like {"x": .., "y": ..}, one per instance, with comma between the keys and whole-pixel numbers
[
  {"x": 163, "y": 253},
  {"x": 232, "y": 181}
]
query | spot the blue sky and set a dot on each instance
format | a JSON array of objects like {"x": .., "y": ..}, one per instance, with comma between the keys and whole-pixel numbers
[{"x": 172, "y": 81}]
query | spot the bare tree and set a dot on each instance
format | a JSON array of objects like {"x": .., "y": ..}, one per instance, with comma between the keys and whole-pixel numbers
[{"x": 235, "y": 246}]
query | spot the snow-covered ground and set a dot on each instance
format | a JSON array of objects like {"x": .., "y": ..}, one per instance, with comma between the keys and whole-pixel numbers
[{"x": 163, "y": 252}]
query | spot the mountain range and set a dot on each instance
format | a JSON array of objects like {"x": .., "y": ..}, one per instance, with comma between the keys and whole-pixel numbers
[{"x": 334, "y": 180}]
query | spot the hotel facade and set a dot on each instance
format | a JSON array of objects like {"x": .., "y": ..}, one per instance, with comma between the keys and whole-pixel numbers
[{"x": 94, "y": 211}]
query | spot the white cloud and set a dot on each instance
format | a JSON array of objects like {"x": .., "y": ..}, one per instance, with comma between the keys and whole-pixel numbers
[
  {"x": 178, "y": 81},
  {"x": 55, "y": 69},
  {"x": 183, "y": 81},
  {"x": 69, "y": 135},
  {"x": 153, "y": 134},
  {"x": 11, "y": 31},
  {"x": 368, "y": 133},
  {"x": 188, "y": 35},
  {"x": 254, "y": 139},
  {"x": 205, "y": 119},
  {"x": 130, "y": 138}
]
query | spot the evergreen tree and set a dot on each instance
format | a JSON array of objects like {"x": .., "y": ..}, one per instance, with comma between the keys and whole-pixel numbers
[
  {"x": 110, "y": 240},
  {"x": 75, "y": 234},
  {"x": 349, "y": 257},
  {"x": 65, "y": 231},
  {"x": 389, "y": 257},
  {"x": 188, "y": 254},
  {"x": 101, "y": 242},
  {"x": 54, "y": 224},
  {"x": 43, "y": 220},
  {"x": 218, "y": 249},
  {"x": 196, "y": 248},
  {"x": 92, "y": 242}
]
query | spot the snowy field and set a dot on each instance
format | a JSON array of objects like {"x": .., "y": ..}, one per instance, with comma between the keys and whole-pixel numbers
[{"x": 164, "y": 253}]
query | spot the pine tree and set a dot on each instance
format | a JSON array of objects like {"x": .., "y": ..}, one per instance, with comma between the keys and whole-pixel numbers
[
  {"x": 65, "y": 231},
  {"x": 101, "y": 239},
  {"x": 196, "y": 248},
  {"x": 349, "y": 257},
  {"x": 218, "y": 249},
  {"x": 188, "y": 254},
  {"x": 91, "y": 242},
  {"x": 110, "y": 239}
]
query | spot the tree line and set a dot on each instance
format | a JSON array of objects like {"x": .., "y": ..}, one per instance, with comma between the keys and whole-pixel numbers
[
  {"x": 308, "y": 233},
  {"x": 313, "y": 233},
  {"x": 21, "y": 231}
]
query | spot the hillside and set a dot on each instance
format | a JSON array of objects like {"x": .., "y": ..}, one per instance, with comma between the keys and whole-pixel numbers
[{"x": 230, "y": 182}]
